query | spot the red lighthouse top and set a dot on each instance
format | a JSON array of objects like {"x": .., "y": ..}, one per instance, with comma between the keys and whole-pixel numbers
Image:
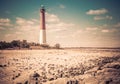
[{"x": 42, "y": 18}]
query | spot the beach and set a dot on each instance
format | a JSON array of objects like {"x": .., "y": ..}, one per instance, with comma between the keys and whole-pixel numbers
[{"x": 60, "y": 66}]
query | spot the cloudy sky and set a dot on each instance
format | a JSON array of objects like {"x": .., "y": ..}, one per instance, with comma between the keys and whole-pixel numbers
[{"x": 82, "y": 23}]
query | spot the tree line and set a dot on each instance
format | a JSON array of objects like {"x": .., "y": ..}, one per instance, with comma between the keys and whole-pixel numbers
[{"x": 17, "y": 44}]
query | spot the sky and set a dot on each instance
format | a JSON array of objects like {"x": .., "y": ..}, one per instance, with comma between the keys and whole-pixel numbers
[{"x": 71, "y": 23}]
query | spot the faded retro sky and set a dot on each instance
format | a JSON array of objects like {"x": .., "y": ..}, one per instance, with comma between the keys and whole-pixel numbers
[{"x": 82, "y": 23}]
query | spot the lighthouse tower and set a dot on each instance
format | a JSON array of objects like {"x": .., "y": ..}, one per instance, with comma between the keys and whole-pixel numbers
[{"x": 42, "y": 37}]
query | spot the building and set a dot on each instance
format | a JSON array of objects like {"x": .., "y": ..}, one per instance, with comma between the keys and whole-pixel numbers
[{"x": 42, "y": 37}]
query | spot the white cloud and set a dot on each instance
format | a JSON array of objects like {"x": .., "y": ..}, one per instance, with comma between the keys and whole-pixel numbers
[
  {"x": 5, "y": 22},
  {"x": 21, "y": 21},
  {"x": 61, "y": 6},
  {"x": 105, "y": 25},
  {"x": 8, "y": 35},
  {"x": 97, "y": 12},
  {"x": 18, "y": 32},
  {"x": 117, "y": 25},
  {"x": 2, "y": 20},
  {"x": 109, "y": 17},
  {"x": 26, "y": 26},
  {"x": 103, "y": 17},
  {"x": 25, "y": 29},
  {"x": 91, "y": 28},
  {"x": 51, "y": 18},
  {"x": 1, "y": 28},
  {"x": 55, "y": 24},
  {"x": 105, "y": 30},
  {"x": 35, "y": 20},
  {"x": 77, "y": 33},
  {"x": 58, "y": 27}
]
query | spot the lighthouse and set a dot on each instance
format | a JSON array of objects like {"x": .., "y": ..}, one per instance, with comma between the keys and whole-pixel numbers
[{"x": 42, "y": 37}]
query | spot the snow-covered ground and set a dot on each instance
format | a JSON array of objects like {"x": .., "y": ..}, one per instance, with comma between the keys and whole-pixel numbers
[{"x": 57, "y": 66}]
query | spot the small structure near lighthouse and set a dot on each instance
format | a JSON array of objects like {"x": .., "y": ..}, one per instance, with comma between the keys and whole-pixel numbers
[{"x": 42, "y": 37}]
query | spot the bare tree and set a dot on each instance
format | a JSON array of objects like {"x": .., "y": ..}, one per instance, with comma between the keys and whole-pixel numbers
[{"x": 57, "y": 46}]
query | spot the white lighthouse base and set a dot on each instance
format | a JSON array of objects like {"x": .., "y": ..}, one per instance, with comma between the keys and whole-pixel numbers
[{"x": 42, "y": 39}]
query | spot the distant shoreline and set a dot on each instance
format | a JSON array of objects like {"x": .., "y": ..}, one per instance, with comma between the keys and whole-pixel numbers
[{"x": 62, "y": 48}]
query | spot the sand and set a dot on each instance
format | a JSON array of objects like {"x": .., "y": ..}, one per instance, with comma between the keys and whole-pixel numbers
[{"x": 60, "y": 66}]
